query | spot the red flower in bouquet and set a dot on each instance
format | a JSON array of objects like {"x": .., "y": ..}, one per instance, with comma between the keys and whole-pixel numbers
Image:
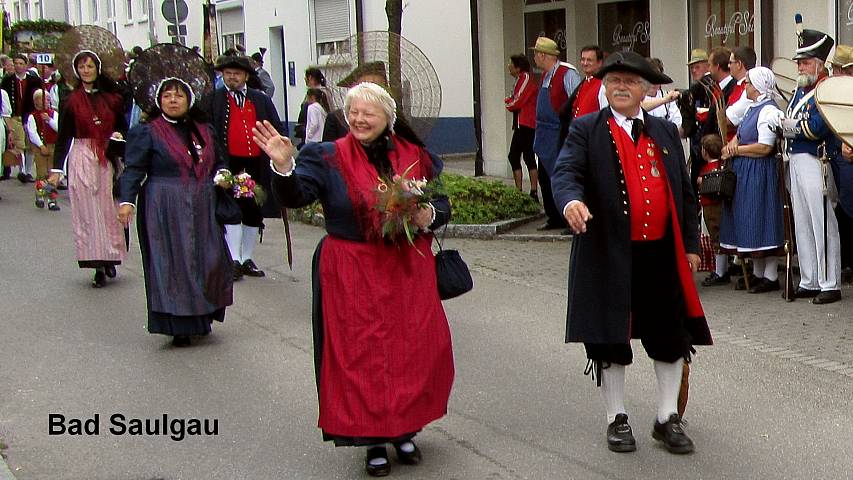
[{"x": 398, "y": 199}]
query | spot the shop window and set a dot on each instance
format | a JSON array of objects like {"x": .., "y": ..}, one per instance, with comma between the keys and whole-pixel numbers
[
  {"x": 845, "y": 22},
  {"x": 545, "y": 23},
  {"x": 624, "y": 26},
  {"x": 729, "y": 23}
]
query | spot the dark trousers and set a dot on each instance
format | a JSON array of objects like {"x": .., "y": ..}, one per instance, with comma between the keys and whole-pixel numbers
[
  {"x": 555, "y": 217},
  {"x": 522, "y": 145},
  {"x": 252, "y": 216},
  {"x": 845, "y": 231},
  {"x": 657, "y": 308}
]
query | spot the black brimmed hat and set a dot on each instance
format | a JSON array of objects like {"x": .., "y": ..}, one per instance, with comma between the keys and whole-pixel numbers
[
  {"x": 369, "y": 68},
  {"x": 234, "y": 61},
  {"x": 813, "y": 44},
  {"x": 633, "y": 63}
]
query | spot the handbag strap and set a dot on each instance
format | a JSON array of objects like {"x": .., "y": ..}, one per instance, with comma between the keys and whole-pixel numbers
[{"x": 443, "y": 233}]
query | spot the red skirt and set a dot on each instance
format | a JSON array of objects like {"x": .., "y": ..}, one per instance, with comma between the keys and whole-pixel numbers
[{"x": 386, "y": 366}]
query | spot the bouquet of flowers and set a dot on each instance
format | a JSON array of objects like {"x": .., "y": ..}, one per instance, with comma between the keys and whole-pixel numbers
[
  {"x": 45, "y": 190},
  {"x": 242, "y": 185},
  {"x": 398, "y": 199}
]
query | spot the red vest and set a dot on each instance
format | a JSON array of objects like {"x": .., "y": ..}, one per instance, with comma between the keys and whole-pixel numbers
[
  {"x": 46, "y": 133},
  {"x": 586, "y": 100},
  {"x": 647, "y": 193},
  {"x": 240, "y": 125},
  {"x": 558, "y": 93}
]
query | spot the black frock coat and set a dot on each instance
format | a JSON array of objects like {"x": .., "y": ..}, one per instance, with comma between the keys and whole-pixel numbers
[{"x": 588, "y": 169}]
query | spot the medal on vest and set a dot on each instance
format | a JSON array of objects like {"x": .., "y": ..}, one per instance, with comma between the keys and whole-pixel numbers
[{"x": 655, "y": 171}]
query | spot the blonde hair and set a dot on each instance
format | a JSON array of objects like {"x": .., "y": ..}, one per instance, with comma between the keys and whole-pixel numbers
[{"x": 373, "y": 93}]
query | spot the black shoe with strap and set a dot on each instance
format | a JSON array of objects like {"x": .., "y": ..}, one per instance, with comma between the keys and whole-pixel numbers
[
  {"x": 714, "y": 280},
  {"x": 374, "y": 464},
  {"x": 763, "y": 286},
  {"x": 672, "y": 435},
  {"x": 53, "y": 207},
  {"x": 252, "y": 270},
  {"x": 408, "y": 458},
  {"x": 620, "y": 437}
]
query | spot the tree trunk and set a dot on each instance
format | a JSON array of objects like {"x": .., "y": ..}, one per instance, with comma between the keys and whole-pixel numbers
[{"x": 394, "y": 11}]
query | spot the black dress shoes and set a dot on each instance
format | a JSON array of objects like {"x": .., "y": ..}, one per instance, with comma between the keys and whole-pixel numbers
[
  {"x": 827, "y": 296},
  {"x": 181, "y": 341},
  {"x": 620, "y": 438},
  {"x": 672, "y": 435},
  {"x": 714, "y": 280},
  {"x": 801, "y": 292},
  {"x": 252, "y": 270},
  {"x": 100, "y": 278},
  {"x": 110, "y": 271},
  {"x": 374, "y": 463},
  {"x": 237, "y": 270},
  {"x": 408, "y": 458},
  {"x": 762, "y": 285},
  {"x": 741, "y": 282}
]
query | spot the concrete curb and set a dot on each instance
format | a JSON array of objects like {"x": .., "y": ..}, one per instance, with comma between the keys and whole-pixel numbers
[{"x": 5, "y": 472}]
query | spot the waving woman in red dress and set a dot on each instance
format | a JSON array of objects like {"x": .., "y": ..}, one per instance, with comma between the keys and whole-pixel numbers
[{"x": 383, "y": 354}]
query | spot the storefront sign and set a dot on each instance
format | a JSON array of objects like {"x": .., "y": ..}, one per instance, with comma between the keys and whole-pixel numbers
[
  {"x": 729, "y": 23},
  {"x": 624, "y": 26},
  {"x": 740, "y": 23}
]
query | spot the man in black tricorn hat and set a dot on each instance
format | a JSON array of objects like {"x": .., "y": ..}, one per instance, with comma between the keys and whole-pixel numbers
[
  {"x": 622, "y": 184},
  {"x": 234, "y": 108},
  {"x": 812, "y": 186}
]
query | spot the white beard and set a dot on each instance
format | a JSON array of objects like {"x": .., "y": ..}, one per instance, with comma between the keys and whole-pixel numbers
[{"x": 805, "y": 80}]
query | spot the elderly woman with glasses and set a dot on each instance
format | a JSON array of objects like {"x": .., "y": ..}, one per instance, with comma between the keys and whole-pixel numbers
[
  {"x": 382, "y": 345},
  {"x": 751, "y": 224}
]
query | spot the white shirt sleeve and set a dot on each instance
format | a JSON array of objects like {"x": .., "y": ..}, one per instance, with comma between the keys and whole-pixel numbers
[
  {"x": 602, "y": 97},
  {"x": 53, "y": 122},
  {"x": 54, "y": 97},
  {"x": 768, "y": 119},
  {"x": 6, "y": 112},
  {"x": 674, "y": 113},
  {"x": 314, "y": 122},
  {"x": 737, "y": 110},
  {"x": 32, "y": 130}
]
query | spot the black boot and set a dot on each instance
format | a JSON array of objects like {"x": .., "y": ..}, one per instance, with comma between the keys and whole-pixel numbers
[{"x": 373, "y": 462}]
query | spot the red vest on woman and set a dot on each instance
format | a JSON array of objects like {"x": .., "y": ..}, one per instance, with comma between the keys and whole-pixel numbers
[
  {"x": 47, "y": 134},
  {"x": 241, "y": 121}
]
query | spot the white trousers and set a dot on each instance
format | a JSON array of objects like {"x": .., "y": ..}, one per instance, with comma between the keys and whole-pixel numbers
[{"x": 807, "y": 201}]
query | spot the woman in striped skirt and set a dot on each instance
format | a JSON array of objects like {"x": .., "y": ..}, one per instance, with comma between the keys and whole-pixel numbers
[
  {"x": 751, "y": 224},
  {"x": 93, "y": 113}
]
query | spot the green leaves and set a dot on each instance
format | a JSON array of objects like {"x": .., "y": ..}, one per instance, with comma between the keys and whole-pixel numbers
[{"x": 477, "y": 201}]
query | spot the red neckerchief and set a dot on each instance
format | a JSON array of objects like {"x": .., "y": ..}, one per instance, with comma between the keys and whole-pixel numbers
[
  {"x": 95, "y": 117},
  {"x": 177, "y": 147},
  {"x": 362, "y": 179}
]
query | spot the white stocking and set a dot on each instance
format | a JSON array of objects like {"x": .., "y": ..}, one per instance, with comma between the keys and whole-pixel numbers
[
  {"x": 250, "y": 239},
  {"x": 669, "y": 383},
  {"x": 613, "y": 390},
  {"x": 234, "y": 239},
  {"x": 771, "y": 265},
  {"x": 722, "y": 262}
]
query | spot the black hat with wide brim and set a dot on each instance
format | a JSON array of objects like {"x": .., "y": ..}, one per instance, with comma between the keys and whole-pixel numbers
[
  {"x": 234, "y": 61},
  {"x": 632, "y": 62},
  {"x": 369, "y": 68},
  {"x": 813, "y": 44}
]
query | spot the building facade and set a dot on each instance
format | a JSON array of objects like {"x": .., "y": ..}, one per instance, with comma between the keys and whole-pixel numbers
[{"x": 301, "y": 33}]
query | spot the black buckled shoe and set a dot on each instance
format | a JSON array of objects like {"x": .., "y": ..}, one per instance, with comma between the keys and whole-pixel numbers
[
  {"x": 672, "y": 435},
  {"x": 805, "y": 293},
  {"x": 408, "y": 458},
  {"x": 53, "y": 207},
  {"x": 827, "y": 296},
  {"x": 374, "y": 463},
  {"x": 252, "y": 270},
  {"x": 237, "y": 270},
  {"x": 100, "y": 278},
  {"x": 620, "y": 437},
  {"x": 714, "y": 280},
  {"x": 110, "y": 271},
  {"x": 763, "y": 286}
]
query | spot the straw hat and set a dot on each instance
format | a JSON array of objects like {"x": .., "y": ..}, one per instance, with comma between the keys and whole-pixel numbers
[
  {"x": 547, "y": 46},
  {"x": 697, "y": 55},
  {"x": 843, "y": 56}
]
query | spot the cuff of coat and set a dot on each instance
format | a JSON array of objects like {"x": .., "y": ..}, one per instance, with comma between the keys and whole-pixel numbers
[
  {"x": 127, "y": 203},
  {"x": 289, "y": 172},
  {"x": 567, "y": 207},
  {"x": 431, "y": 218}
]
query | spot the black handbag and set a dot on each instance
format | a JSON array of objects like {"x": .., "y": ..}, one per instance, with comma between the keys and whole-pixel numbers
[
  {"x": 226, "y": 208},
  {"x": 451, "y": 273},
  {"x": 719, "y": 184}
]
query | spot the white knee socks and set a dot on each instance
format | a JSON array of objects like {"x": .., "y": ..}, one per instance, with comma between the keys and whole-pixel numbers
[
  {"x": 613, "y": 390},
  {"x": 669, "y": 383},
  {"x": 250, "y": 239},
  {"x": 722, "y": 262},
  {"x": 758, "y": 267},
  {"x": 234, "y": 239},
  {"x": 771, "y": 268}
]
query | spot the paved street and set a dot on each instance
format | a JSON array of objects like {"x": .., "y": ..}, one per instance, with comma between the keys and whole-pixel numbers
[{"x": 769, "y": 400}]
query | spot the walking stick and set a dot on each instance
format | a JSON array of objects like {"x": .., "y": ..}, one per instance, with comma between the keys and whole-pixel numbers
[
  {"x": 824, "y": 161},
  {"x": 788, "y": 221},
  {"x": 287, "y": 239}
]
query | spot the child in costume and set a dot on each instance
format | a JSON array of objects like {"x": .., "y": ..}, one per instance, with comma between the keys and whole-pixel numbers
[{"x": 42, "y": 126}]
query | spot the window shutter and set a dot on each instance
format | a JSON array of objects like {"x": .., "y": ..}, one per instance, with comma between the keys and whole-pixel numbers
[
  {"x": 331, "y": 18},
  {"x": 231, "y": 21}
]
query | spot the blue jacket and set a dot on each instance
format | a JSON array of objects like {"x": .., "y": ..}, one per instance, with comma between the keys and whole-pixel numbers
[{"x": 813, "y": 129}]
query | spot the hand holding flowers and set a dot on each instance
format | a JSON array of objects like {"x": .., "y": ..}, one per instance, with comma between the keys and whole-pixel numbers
[
  {"x": 404, "y": 206},
  {"x": 242, "y": 185}
]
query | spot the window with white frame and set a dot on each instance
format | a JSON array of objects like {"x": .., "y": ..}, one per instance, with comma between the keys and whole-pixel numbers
[
  {"x": 17, "y": 9},
  {"x": 332, "y": 26},
  {"x": 37, "y": 13},
  {"x": 143, "y": 9},
  {"x": 128, "y": 9},
  {"x": 231, "y": 28},
  {"x": 25, "y": 10},
  {"x": 94, "y": 10}
]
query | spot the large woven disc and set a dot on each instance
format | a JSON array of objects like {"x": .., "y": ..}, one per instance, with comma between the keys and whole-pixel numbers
[
  {"x": 94, "y": 38},
  {"x": 163, "y": 61}
]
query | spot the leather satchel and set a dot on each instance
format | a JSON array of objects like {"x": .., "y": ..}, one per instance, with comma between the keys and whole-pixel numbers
[
  {"x": 719, "y": 184},
  {"x": 451, "y": 273}
]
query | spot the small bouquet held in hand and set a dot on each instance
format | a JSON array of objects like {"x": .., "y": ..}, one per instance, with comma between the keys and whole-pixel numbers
[
  {"x": 45, "y": 190},
  {"x": 242, "y": 185},
  {"x": 398, "y": 199}
]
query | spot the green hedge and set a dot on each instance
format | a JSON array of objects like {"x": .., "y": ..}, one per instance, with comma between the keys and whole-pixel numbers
[{"x": 474, "y": 201}]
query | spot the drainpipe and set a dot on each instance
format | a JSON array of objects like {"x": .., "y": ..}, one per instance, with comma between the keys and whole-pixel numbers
[{"x": 475, "y": 64}]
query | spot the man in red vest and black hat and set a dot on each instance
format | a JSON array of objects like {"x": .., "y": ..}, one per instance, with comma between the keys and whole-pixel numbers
[
  {"x": 234, "y": 109},
  {"x": 623, "y": 187}
]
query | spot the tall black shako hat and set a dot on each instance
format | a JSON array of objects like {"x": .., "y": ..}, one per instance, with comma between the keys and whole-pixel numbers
[
  {"x": 632, "y": 62},
  {"x": 811, "y": 43},
  {"x": 234, "y": 61}
]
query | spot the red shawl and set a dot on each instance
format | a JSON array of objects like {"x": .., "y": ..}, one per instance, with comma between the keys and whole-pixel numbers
[{"x": 95, "y": 117}]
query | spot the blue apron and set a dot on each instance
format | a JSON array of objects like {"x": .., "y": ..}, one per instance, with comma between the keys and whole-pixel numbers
[{"x": 547, "y": 139}]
